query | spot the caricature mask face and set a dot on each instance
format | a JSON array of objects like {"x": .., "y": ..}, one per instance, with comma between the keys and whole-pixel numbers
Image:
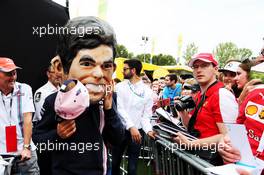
[
  {"x": 93, "y": 68},
  {"x": 88, "y": 56}
]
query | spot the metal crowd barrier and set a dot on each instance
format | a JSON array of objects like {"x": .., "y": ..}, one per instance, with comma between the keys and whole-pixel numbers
[
  {"x": 6, "y": 163},
  {"x": 164, "y": 158},
  {"x": 170, "y": 161}
]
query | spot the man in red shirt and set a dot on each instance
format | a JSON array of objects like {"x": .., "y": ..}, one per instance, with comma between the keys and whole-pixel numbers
[{"x": 215, "y": 105}]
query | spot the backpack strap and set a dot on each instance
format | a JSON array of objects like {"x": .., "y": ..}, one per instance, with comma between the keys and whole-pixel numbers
[{"x": 192, "y": 120}]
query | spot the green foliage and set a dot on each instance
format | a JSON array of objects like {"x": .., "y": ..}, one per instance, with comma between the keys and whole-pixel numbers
[
  {"x": 163, "y": 60},
  {"x": 121, "y": 51},
  {"x": 144, "y": 57},
  {"x": 191, "y": 49},
  {"x": 225, "y": 51},
  {"x": 257, "y": 75},
  {"x": 228, "y": 50},
  {"x": 244, "y": 53},
  {"x": 130, "y": 55},
  {"x": 160, "y": 59}
]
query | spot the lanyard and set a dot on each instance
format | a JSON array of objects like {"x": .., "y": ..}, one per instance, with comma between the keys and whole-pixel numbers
[
  {"x": 141, "y": 95},
  {"x": 10, "y": 112}
]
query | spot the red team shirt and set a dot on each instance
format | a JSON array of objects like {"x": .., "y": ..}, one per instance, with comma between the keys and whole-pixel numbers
[
  {"x": 220, "y": 106},
  {"x": 251, "y": 114}
]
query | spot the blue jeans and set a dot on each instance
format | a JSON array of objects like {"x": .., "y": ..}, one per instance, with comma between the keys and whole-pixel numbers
[{"x": 133, "y": 150}]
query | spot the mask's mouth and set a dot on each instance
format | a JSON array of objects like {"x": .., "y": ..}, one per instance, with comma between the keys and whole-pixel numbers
[{"x": 95, "y": 88}]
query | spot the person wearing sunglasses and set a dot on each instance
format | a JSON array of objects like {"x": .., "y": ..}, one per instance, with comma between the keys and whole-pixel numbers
[{"x": 134, "y": 104}]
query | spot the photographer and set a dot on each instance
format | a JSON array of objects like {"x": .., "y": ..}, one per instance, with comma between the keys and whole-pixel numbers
[
  {"x": 190, "y": 87},
  {"x": 188, "y": 97},
  {"x": 214, "y": 106}
]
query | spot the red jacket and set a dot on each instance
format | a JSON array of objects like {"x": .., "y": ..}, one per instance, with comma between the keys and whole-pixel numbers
[
  {"x": 219, "y": 106},
  {"x": 251, "y": 114}
]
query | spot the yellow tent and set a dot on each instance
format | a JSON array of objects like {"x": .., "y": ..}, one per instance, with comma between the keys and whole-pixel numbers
[
  {"x": 120, "y": 64},
  {"x": 177, "y": 68},
  {"x": 158, "y": 71}
]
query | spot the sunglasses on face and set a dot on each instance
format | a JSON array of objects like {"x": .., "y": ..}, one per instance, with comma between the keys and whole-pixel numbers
[
  {"x": 125, "y": 68},
  {"x": 9, "y": 74}
]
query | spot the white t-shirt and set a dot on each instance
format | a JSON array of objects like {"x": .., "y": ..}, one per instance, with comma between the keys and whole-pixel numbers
[{"x": 9, "y": 113}]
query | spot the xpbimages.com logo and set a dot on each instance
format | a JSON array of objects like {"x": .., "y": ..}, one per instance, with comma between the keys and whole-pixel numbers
[
  {"x": 58, "y": 146},
  {"x": 54, "y": 30},
  {"x": 212, "y": 147}
]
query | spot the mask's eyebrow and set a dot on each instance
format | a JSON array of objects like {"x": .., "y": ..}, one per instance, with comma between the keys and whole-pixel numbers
[
  {"x": 109, "y": 61},
  {"x": 87, "y": 58}
]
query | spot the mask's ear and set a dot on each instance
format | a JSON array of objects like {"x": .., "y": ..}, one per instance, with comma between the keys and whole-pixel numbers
[{"x": 56, "y": 65}]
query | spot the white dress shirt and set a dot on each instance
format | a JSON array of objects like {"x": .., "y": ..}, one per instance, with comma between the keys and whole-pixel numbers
[
  {"x": 134, "y": 104},
  {"x": 40, "y": 96}
]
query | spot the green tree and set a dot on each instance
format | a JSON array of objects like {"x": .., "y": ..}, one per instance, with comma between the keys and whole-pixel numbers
[
  {"x": 163, "y": 60},
  {"x": 130, "y": 55},
  {"x": 160, "y": 59},
  {"x": 121, "y": 51},
  {"x": 156, "y": 59},
  {"x": 228, "y": 50},
  {"x": 225, "y": 51},
  {"x": 144, "y": 57},
  {"x": 244, "y": 53},
  {"x": 191, "y": 49}
]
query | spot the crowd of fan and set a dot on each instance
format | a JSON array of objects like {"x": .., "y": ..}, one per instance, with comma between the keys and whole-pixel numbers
[{"x": 226, "y": 95}]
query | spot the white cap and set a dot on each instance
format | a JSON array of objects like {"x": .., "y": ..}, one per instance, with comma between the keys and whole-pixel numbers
[{"x": 231, "y": 66}]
